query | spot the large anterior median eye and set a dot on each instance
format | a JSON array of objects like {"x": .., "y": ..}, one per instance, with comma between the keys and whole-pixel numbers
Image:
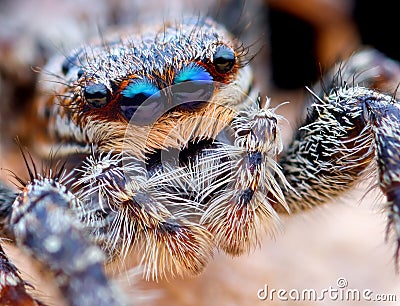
[
  {"x": 224, "y": 59},
  {"x": 97, "y": 95},
  {"x": 142, "y": 99},
  {"x": 193, "y": 87}
]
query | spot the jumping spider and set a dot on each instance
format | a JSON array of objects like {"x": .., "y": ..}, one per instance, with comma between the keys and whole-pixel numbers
[{"x": 180, "y": 157}]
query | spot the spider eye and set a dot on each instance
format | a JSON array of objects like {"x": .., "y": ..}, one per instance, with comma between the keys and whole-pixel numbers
[
  {"x": 96, "y": 95},
  {"x": 192, "y": 72},
  {"x": 194, "y": 87},
  {"x": 132, "y": 101},
  {"x": 80, "y": 73},
  {"x": 67, "y": 64},
  {"x": 224, "y": 59}
]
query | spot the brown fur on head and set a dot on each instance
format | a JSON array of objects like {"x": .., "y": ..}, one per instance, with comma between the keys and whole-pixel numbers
[{"x": 155, "y": 60}]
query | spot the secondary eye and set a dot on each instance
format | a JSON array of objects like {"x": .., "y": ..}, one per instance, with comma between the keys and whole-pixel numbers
[
  {"x": 224, "y": 59},
  {"x": 70, "y": 62},
  {"x": 194, "y": 87},
  {"x": 67, "y": 64},
  {"x": 96, "y": 95},
  {"x": 142, "y": 99},
  {"x": 192, "y": 72}
]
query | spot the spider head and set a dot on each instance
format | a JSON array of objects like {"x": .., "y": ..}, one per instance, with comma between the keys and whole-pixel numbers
[{"x": 153, "y": 91}]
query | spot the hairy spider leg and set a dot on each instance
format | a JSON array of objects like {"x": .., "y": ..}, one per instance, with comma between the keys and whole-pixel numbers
[
  {"x": 41, "y": 223},
  {"x": 348, "y": 133}
]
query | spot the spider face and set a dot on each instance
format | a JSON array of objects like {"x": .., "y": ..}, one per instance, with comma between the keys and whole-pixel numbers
[{"x": 159, "y": 79}]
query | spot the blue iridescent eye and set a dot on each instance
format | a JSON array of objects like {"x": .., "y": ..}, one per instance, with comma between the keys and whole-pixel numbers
[
  {"x": 193, "y": 87},
  {"x": 191, "y": 73},
  {"x": 96, "y": 95},
  {"x": 135, "y": 99},
  {"x": 224, "y": 59}
]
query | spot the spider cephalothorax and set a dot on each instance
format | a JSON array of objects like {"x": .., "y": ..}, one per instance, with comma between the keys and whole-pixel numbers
[{"x": 103, "y": 85}]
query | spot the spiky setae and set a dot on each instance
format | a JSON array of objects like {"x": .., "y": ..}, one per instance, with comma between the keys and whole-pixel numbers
[
  {"x": 127, "y": 210},
  {"x": 330, "y": 151}
]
